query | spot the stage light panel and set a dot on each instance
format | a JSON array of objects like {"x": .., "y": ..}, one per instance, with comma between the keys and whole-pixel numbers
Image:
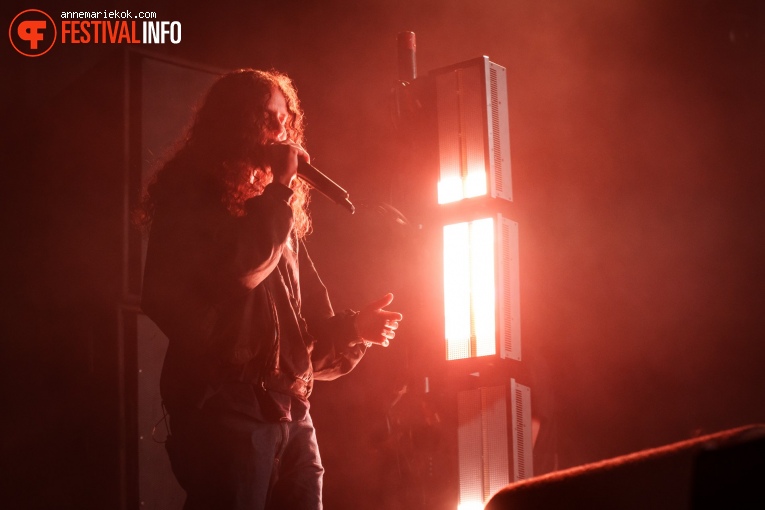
[
  {"x": 469, "y": 296},
  {"x": 473, "y": 131},
  {"x": 481, "y": 290}
]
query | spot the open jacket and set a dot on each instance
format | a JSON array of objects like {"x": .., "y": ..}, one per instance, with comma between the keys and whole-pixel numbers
[{"x": 240, "y": 301}]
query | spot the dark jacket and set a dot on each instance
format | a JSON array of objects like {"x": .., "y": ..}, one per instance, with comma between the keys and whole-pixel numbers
[{"x": 240, "y": 301}]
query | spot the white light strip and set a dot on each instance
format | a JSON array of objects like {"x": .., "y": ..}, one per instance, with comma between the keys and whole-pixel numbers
[
  {"x": 469, "y": 293},
  {"x": 454, "y": 188}
]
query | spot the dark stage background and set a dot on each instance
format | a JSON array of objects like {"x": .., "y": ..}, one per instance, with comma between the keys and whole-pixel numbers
[{"x": 638, "y": 155}]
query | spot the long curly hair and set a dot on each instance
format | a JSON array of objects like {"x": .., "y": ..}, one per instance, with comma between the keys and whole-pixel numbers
[{"x": 222, "y": 157}]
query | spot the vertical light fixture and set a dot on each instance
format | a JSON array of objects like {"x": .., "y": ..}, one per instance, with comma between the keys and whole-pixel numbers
[
  {"x": 481, "y": 274},
  {"x": 481, "y": 291},
  {"x": 473, "y": 131},
  {"x": 485, "y": 450}
]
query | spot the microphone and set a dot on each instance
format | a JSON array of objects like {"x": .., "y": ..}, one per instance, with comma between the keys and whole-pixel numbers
[{"x": 324, "y": 184}]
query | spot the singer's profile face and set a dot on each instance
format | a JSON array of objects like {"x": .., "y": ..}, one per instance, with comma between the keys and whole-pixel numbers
[{"x": 276, "y": 117}]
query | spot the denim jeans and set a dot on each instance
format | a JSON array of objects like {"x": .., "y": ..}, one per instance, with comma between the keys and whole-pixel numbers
[{"x": 227, "y": 460}]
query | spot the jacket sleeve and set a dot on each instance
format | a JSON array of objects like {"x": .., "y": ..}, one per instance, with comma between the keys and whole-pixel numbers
[
  {"x": 331, "y": 355},
  {"x": 201, "y": 265},
  {"x": 200, "y": 256},
  {"x": 256, "y": 240}
]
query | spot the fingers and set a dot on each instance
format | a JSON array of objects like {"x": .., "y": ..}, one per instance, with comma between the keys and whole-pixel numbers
[
  {"x": 391, "y": 325},
  {"x": 391, "y": 316},
  {"x": 380, "y": 303},
  {"x": 388, "y": 332},
  {"x": 297, "y": 149},
  {"x": 284, "y": 157},
  {"x": 303, "y": 154},
  {"x": 291, "y": 148},
  {"x": 376, "y": 325}
]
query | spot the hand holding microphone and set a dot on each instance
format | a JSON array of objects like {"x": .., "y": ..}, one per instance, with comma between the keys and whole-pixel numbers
[
  {"x": 284, "y": 158},
  {"x": 289, "y": 159}
]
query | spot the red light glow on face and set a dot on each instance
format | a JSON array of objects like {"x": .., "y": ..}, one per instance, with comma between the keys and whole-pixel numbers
[{"x": 469, "y": 293}]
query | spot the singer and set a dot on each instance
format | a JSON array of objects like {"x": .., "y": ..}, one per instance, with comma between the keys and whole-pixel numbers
[{"x": 228, "y": 279}]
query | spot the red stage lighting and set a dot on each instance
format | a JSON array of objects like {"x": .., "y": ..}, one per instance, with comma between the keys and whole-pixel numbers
[{"x": 481, "y": 277}]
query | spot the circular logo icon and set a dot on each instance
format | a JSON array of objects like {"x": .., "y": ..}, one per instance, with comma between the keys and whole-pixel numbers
[{"x": 32, "y": 33}]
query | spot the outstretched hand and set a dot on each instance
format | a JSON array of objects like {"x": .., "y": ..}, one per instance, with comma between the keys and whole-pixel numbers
[{"x": 373, "y": 324}]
